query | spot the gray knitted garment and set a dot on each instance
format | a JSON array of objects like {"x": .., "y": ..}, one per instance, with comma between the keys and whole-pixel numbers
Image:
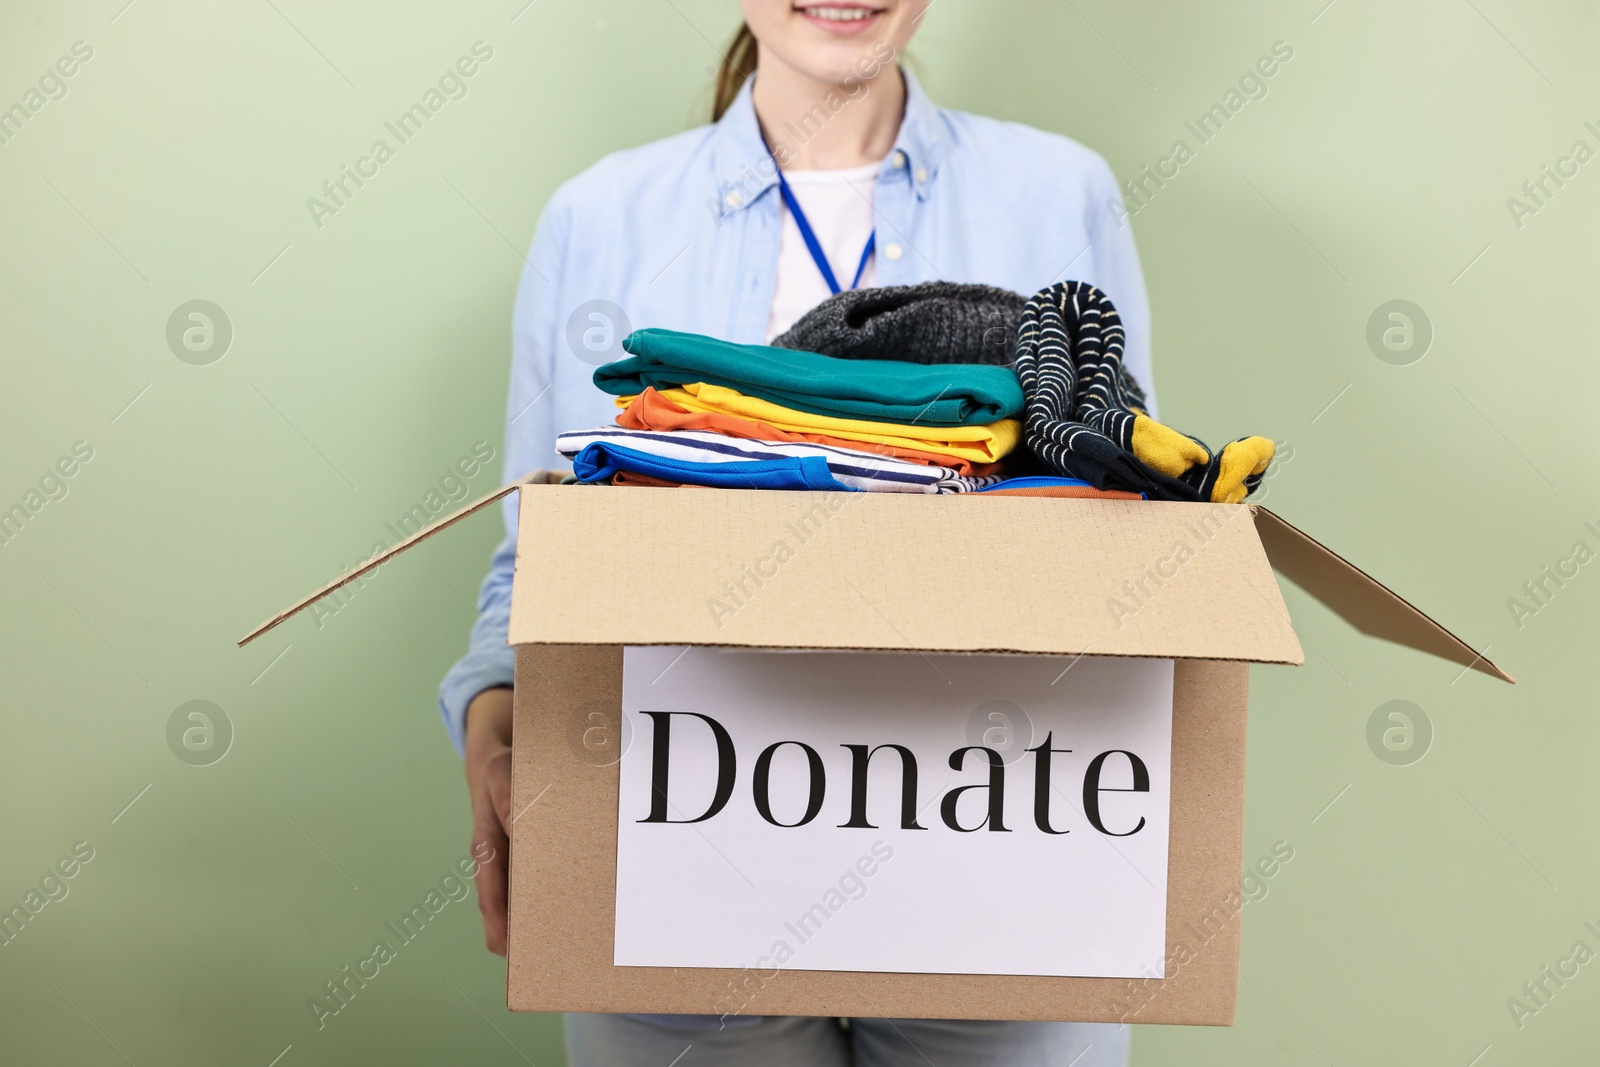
[{"x": 935, "y": 322}]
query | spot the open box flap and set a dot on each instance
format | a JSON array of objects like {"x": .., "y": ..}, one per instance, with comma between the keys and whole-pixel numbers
[
  {"x": 1357, "y": 597},
  {"x": 892, "y": 571},
  {"x": 885, "y": 571},
  {"x": 393, "y": 551}
]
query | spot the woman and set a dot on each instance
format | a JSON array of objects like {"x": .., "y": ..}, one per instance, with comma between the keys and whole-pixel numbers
[{"x": 696, "y": 233}]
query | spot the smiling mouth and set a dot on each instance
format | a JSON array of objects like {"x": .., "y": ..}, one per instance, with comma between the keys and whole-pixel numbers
[{"x": 841, "y": 16}]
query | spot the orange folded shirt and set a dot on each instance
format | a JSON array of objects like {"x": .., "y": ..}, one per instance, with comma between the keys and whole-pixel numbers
[
  {"x": 652, "y": 411},
  {"x": 1080, "y": 491},
  {"x": 630, "y": 478}
]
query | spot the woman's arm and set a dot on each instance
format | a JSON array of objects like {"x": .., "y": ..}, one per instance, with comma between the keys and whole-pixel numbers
[
  {"x": 529, "y": 444},
  {"x": 475, "y": 697}
]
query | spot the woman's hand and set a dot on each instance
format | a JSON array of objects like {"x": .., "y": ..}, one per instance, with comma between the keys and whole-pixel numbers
[{"x": 488, "y": 766}]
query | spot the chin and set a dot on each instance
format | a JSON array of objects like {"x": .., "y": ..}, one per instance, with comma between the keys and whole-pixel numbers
[
  {"x": 842, "y": 41},
  {"x": 836, "y": 41}
]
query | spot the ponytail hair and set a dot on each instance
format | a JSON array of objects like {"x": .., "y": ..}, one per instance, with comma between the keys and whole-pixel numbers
[{"x": 737, "y": 65}]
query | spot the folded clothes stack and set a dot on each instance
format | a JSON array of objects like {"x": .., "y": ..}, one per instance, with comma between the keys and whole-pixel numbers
[
  {"x": 700, "y": 411},
  {"x": 1085, "y": 416},
  {"x": 910, "y": 389}
]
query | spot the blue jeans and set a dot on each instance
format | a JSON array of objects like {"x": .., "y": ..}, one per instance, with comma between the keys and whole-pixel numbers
[{"x": 797, "y": 1041}]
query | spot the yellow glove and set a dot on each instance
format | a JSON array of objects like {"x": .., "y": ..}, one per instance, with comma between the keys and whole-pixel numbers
[
  {"x": 1240, "y": 460},
  {"x": 1164, "y": 449}
]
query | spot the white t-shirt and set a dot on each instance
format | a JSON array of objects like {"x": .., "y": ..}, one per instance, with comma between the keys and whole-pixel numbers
[{"x": 838, "y": 204}]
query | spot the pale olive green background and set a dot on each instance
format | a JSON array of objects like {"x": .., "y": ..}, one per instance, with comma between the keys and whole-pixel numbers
[{"x": 370, "y": 354}]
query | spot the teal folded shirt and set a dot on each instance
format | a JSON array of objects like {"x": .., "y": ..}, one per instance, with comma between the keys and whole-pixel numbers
[{"x": 877, "y": 390}]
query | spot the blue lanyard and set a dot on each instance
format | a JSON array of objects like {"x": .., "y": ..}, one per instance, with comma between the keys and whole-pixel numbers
[{"x": 810, "y": 237}]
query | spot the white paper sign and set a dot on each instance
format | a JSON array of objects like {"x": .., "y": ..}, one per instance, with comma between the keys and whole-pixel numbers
[{"x": 766, "y": 821}]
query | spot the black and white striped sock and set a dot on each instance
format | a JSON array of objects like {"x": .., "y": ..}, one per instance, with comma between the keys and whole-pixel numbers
[{"x": 1085, "y": 417}]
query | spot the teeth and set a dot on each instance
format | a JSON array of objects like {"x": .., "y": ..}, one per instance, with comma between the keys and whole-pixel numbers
[{"x": 839, "y": 14}]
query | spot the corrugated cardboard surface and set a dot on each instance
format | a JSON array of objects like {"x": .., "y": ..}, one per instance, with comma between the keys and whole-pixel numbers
[
  {"x": 1358, "y": 598},
  {"x": 394, "y": 550},
  {"x": 563, "y": 880},
  {"x": 647, "y": 566},
  {"x": 597, "y": 569}
]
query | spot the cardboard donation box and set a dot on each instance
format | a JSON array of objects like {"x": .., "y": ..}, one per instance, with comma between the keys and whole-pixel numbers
[{"x": 795, "y": 753}]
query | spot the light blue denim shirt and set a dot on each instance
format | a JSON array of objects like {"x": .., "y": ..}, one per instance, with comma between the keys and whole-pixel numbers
[{"x": 683, "y": 234}]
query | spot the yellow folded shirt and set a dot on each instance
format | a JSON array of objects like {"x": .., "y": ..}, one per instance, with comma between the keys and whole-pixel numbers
[{"x": 979, "y": 444}]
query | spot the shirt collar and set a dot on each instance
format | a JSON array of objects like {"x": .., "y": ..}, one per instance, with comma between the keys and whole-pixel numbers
[
  {"x": 744, "y": 169},
  {"x": 923, "y": 137}
]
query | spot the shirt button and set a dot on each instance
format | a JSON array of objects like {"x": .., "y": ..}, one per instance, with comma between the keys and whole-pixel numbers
[
  {"x": 899, "y": 159},
  {"x": 922, "y": 174},
  {"x": 893, "y": 251},
  {"x": 734, "y": 200}
]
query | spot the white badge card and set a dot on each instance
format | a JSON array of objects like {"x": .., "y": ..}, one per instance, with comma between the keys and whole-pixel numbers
[{"x": 959, "y": 814}]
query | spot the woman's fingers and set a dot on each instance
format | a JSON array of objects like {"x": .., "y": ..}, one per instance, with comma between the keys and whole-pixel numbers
[
  {"x": 490, "y": 831},
  {"x": 488, "y": 767}
]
